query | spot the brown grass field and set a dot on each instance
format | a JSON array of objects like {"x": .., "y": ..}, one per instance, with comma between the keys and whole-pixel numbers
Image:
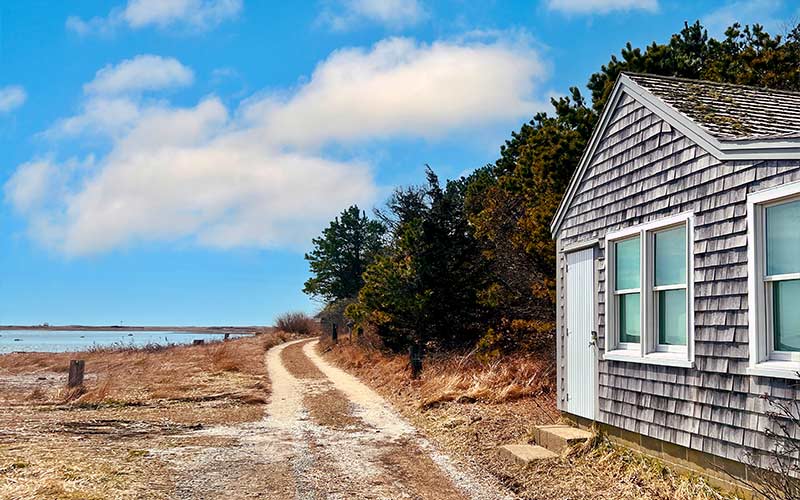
[
  {"x": 469, "y": 408},
  {"x": 126, "y": 435},
  {"x": 92, "y": 443}
]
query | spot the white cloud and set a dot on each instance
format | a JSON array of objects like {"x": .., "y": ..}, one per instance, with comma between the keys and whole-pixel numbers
[
  {"x": 181, "y": 173},
  {"x": 601, "y": 6},
  {"x": 11, "y": 98},
  {"x": 346, "y": 14},
  {"x": 144, "y": 72},
  {"x": 115, "y": 102},
  {"x": 259, "y": 176},
  {"x": 401, "y": 87},
  {"x": 764, "y": 12},
  {"x": 194, "y": 14},
  {"x": 100, "y": 115}
]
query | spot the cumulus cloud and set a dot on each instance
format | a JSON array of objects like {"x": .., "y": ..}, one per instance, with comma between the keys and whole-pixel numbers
[
  {"x": 11, "y": 98},
  {"x": 115, "y": 103},
  {"x": 180, "y": 173},
  {"x": 195, "y": 14},
  {"x": 346, "y": 14},
  {"x": 601, "y": 6},
  {"x": 402, "y": 87},
  {"x": 144, "y": 72},
  {"x": 258, "y": 175}
]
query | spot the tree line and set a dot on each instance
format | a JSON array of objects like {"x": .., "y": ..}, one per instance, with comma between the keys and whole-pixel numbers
[{"x": 471, "y": 262}]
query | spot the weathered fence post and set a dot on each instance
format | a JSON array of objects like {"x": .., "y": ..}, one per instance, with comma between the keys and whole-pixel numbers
[
  {"x": 415, "y": 359},
  {"x": 227, "y": 336},
  {"x": 334, "y": 333},
  {"x": 75, "y": 373}
]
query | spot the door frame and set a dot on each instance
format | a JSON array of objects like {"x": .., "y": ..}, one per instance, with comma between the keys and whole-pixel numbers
[{"x": 578, "y": 247}]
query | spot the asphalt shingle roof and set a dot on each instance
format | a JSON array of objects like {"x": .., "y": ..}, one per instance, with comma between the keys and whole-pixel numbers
[{"x": 727, "y": 111}]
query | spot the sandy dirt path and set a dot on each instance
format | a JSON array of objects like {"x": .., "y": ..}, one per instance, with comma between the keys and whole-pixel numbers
[{"x": 325, "y": 436}]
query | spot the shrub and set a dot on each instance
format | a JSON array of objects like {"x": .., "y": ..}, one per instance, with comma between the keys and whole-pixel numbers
[
  {"x": 296, "y": 322},
  {"x": 775, "y": 474}
]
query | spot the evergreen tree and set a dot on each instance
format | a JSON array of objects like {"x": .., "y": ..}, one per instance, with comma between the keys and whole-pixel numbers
[
  {"x": 425, "y": 288},
  {"x": 341, "y": 255}
]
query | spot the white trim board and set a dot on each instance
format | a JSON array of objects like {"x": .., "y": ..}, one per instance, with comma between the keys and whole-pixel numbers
[
  {"x": 763, "y": 362},
  {"x": 775, "y": 149}
]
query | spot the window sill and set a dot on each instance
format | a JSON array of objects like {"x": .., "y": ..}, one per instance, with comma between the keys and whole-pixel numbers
[
  {"x": 654, "y": 358},
  {"x": 777, "y": 369}
]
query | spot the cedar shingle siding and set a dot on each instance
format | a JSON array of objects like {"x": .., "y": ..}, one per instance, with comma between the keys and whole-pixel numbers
[{"x": 643, "y": 170}]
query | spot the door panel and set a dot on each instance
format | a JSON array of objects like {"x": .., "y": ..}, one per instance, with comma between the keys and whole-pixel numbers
[{"x": 581, "y": 348}]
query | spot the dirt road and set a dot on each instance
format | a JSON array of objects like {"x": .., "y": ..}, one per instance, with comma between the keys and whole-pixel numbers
[{"x": 325, "y": 435}]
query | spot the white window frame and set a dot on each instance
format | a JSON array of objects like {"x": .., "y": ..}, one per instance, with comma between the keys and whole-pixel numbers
[
  {"x": 612, "y": 303},
  {"x": 649, "y": 351},
  {"x": 764, "y": 360}
]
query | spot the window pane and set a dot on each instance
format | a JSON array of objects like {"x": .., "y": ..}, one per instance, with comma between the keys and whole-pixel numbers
[
  {"x": 629, "y": 318},
  {"x": 627, "y": 264},
  {"x": 672, "y": 317},
  {"x": 786, "y": 319},
  {"x": 783, "y": 238},
  {"x": 670, "y": 256}
]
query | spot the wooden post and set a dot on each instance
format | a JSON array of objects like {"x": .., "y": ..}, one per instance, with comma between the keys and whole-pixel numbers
[
  {"x": 227, "y": 336},
  {"x": 75, "y": 373},
  {"x": 198, "y": 342},
  {"x": 415, "y": 359},
  {"x": 334, "y": 334}
]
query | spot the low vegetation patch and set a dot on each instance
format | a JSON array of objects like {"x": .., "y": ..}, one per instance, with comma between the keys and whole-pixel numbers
[
  {"x": 469, "y": 408},
  {"x": 299, "y": 323},
  {"x": 455, "y": 377},
  {"x": 102, "y": 440},
  {"x": 128, "y": 375}
]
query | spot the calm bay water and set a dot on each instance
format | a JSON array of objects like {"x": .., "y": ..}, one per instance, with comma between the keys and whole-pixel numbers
[{"x": 66, "y": 341}]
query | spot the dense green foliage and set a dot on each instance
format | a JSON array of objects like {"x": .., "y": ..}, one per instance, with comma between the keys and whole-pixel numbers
[
  {"x": 515, "y": 207},
  {"x": 425, "y": 287},
  {"x": 341, "y": 255},
  {"x": 476, "y": 260}
]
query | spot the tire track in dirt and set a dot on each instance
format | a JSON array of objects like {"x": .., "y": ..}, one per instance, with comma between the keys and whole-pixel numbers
[
  {"x": 324, "y": 436},
  {"x": 433, "y": 475}
]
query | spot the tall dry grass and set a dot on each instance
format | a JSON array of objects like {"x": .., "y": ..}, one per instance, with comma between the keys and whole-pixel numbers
[
  {"x": 128, "y": 375},
  {"x": 451, "y": 377},
  {"x": 613, "y": 471}
]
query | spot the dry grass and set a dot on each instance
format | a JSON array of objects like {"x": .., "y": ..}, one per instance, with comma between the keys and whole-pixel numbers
[
  {"x": 469, "y": 409},
  {"x": 459, "y": 378},
  {"x": 605, "y": 471},
  {"x": 130, "y": 376},
  {"x": 93, "y": 442}
]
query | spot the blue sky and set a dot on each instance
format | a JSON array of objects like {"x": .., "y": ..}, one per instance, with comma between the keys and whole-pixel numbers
[{"x": 168, "y": 161}]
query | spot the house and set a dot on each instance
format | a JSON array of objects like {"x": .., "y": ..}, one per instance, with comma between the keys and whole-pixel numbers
[{"x": 678, "y": 275}]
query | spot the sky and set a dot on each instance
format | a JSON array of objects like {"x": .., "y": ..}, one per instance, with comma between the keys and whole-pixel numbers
[{"x": 167, "y": 162}]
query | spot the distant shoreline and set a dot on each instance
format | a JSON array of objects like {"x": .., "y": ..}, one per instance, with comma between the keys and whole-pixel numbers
[{"x": 120, "y": 328}]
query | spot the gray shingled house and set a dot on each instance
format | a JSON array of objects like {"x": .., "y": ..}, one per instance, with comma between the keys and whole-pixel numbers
[{"x": 678, "y": 278}]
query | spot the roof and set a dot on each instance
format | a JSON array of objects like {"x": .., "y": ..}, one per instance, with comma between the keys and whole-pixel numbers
[
  {"x": 728, "y": 111},
  {"x": 731, "y": 122}
]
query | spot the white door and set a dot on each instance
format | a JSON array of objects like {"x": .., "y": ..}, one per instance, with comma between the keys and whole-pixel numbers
[{"x": 581, "y": 344}]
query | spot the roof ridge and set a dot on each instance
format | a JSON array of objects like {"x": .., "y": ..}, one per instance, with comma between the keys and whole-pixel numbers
[{"x": 709, "y": 82}]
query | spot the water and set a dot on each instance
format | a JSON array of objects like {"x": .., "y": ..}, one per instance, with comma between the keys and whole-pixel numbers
[{"x": 67, "y": 341}]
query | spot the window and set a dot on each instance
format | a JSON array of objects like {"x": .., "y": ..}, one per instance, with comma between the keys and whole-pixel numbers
[
  {"x": 669, "y": 288},
  {"x": 627, "y": 291},
  {"x": 774, "y": 281},
  {"x": 649, "y": 313}
]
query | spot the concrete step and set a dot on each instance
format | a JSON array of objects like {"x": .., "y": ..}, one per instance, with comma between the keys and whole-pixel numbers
[
  {"x": 523, "y": 454},
  {"x": 557, "y": 438}
]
